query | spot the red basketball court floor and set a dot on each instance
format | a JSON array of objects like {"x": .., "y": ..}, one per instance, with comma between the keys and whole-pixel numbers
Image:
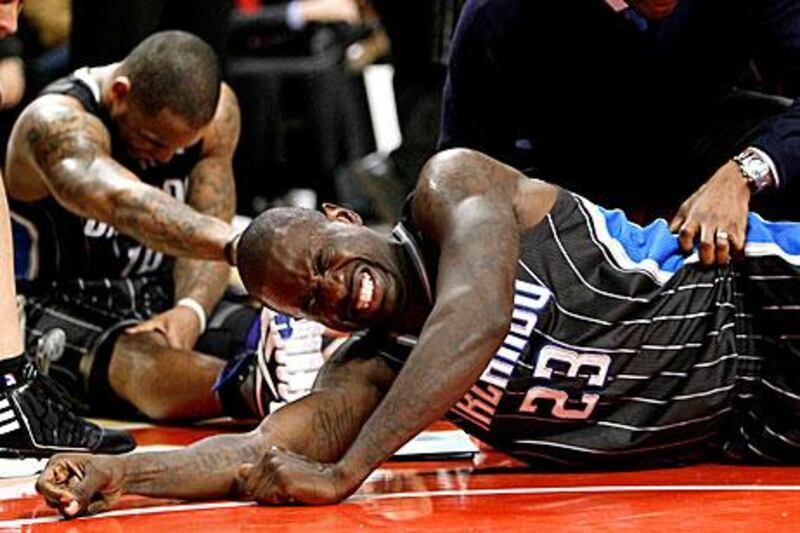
[{"x": 489, "y": 492}]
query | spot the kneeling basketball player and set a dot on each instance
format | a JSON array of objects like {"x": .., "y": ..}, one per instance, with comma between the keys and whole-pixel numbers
[{"x": 121, "y": 185}]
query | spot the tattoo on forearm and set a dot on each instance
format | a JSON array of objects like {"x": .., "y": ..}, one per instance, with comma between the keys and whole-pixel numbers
[
  {"x": 73, "y": 150},
  {"x": 203, "y": 470},
  {"x": 205, "y": 281},
  {"x": 211, "y": 188},
  {"x": 212, "y": 192},
  {"x": 334, "y": 426},
  {"x": 162, "y": 223}
]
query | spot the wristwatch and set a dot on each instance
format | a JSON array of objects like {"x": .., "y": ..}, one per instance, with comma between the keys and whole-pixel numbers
[{"x": 756, "y": 169}]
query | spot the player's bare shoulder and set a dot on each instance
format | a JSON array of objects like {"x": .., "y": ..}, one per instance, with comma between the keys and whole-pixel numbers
[
  {"x": 223, "y": 132},
  {"x": 453, "y": 178},
  {"x": 56, "y": 126},
  {"x": 53, "y": 130}
]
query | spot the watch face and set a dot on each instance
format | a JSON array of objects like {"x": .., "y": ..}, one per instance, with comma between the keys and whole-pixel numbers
[
  {"x": 755, "y": 167},
  {"x": 755, "y": 170}
]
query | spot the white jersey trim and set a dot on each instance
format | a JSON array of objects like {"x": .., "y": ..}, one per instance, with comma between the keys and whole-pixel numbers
[
  {"x": 647, "y": 266},
  {"x": 83, "y": 75}
]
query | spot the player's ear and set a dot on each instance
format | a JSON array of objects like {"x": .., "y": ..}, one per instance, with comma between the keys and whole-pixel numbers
[
  {"x": 337, "y": 213},
  {"x": 120, "y": 88}
]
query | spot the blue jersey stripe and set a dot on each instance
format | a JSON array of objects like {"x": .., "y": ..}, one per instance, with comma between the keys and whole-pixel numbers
[
  {"x": 651, "y": 249},
  {"x": 784, "y": 235},
  {"x": 655, "y": 244}
]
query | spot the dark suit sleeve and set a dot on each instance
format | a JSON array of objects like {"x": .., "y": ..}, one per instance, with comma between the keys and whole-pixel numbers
[
  {"x": 475, "y": 112},
  {"x": 778, "y": 33}
]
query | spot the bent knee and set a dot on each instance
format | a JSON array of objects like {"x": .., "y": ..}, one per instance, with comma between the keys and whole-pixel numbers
[
  {"x": 133, "y": 369},
  {"x": 148, "y": 342}
]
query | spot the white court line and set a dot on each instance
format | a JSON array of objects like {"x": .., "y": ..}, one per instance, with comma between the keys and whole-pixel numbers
[
  {"x": 16, "y": 491},
  {"x": 127, "y": 512},
  {"x": 582, "y": 490},
  {"x": 427, "y": 494}
]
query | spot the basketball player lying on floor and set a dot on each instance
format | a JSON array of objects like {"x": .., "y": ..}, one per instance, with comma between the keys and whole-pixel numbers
[{"x": 550, "y": 328}]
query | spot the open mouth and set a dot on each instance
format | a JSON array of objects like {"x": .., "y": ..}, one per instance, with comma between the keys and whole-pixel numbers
[{"x": 366, "y": 290}]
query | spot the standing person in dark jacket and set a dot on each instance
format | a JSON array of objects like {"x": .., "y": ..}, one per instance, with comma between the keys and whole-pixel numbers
[{"x": 645, "y": 93}]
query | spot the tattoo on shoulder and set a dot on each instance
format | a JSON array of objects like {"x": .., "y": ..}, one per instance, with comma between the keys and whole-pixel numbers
[{"x": 58, "y": 132}]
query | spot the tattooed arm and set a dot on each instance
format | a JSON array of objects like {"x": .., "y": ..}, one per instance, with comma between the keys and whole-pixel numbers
[
  {"x": 212, "y": 192},
  {"x": 70, "y": 152},
  {"x": 320, "y": 425}
]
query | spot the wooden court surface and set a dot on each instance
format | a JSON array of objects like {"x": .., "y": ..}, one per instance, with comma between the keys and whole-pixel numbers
[{"x": 487, "y": 493}]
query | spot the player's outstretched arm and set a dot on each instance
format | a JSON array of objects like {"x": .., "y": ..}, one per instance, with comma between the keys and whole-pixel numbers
[
  {"x": 320, "y": 425},
  {"x": 72, "y": 149}
]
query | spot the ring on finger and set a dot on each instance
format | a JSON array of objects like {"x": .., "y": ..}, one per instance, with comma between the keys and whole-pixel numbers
[{"x": 722, "y": 235}]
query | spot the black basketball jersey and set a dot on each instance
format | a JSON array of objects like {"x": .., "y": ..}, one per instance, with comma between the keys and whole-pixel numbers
[
  {"x": 622, "y": 351},
  {"x": 50, "y": 243}
]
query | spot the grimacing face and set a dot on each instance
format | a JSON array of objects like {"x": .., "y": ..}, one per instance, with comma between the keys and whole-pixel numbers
[{"x": 334, "y": 271}]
